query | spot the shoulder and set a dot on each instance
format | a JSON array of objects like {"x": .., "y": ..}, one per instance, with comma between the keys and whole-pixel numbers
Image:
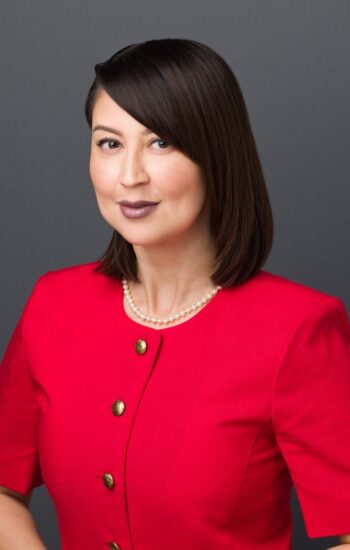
[
  {"x": 69, "y": 275},
  {"x": 76, "y": 279},
  {"x": 279, "y": 288},
  {"x": 269, "y": 299},
  {"x": 59, "y": 288}
]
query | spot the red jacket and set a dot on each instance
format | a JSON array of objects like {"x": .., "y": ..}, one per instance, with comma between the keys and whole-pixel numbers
[{"x": 182, "y": 437}]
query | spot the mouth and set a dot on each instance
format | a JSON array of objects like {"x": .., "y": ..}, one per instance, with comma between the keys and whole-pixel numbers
[
  {"x": 136, "y": 204},
  {"x": 137, "y": 211}
]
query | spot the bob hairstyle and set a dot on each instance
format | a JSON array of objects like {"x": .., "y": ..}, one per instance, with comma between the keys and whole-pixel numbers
[{"x": 186, "y": 93}]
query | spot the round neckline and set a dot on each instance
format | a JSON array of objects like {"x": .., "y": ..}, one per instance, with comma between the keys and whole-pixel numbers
[{"x": 200, "y": 315}]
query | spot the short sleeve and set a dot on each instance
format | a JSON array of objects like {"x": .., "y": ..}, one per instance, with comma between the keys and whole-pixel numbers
[
  {"x": 19, "y": 460},
  {"x": 311, "y": 417}
]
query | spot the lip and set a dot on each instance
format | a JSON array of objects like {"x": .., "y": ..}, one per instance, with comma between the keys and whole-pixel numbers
[
  {"x": 140, "y": 212},
  {"x": 136, "y": 204}
]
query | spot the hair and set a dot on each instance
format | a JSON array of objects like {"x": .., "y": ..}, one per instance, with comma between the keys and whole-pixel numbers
[{"x": 185, "y": 92}]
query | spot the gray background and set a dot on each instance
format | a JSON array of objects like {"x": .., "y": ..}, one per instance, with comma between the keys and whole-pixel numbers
[{"x": 291, "y": 59}]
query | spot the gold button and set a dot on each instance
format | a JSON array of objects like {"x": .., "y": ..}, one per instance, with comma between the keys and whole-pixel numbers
[
  {"x": 108, "y": 481},
  {"x": 118, "y": 407},
  {"x": 141, "y": 346},
  {"x": 114, "y": 546}
]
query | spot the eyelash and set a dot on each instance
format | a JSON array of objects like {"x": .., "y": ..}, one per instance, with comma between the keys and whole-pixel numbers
[{"x": 108, "y": 140}]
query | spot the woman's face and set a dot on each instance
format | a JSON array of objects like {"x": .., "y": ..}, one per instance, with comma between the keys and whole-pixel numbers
[{"x": 134, "y": 165}]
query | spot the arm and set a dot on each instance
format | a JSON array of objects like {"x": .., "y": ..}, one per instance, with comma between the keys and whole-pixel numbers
[
  {"x": 311, "y": 413},
  {"x": 17, "y": 527}
]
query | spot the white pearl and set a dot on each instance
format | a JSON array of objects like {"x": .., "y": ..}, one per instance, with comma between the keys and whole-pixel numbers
[{"x": 171, "y": 318}]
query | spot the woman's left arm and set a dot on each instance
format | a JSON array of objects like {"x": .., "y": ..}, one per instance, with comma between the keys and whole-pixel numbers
[{"x": 311, "y": 418}]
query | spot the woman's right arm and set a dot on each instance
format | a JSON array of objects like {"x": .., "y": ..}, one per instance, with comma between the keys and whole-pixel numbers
[{"x": 17, "y": 526}]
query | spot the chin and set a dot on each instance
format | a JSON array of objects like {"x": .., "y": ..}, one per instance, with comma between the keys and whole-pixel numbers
[{"x": 145, "y": 240}]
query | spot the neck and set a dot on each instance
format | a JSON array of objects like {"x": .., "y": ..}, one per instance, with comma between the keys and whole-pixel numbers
[{"x": 171, "y": 278}]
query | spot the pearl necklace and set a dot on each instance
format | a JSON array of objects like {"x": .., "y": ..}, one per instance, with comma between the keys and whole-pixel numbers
[{"x": 171, "y": 318}]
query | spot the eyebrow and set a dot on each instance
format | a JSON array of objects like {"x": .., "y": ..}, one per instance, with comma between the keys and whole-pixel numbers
[{"x": 114, "y": 131}]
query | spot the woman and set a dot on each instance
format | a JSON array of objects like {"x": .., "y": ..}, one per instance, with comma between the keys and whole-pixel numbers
[{"x": 170, "y": 393}]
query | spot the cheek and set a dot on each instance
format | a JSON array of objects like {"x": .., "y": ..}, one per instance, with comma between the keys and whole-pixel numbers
[
  {"x": 183, "y": 207},
  {"x": 184, "y": 178},
  {"x": 188, "y": 192},
  {"x": 102, "y": 176}
]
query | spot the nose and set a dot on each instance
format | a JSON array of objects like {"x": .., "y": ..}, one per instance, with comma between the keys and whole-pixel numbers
[{"x": 132, "y": 171}]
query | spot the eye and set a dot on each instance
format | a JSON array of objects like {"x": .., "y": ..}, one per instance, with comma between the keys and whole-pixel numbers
[
  {"x": 101, "y": 142},
  {"x": 162, "y": 140}
]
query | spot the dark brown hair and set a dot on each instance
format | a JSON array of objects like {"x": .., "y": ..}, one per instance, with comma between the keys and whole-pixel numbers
[{"x": 186, "y": 93}]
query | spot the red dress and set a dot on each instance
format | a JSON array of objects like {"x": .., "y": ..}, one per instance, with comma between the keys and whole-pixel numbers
[{"x": 186, "y": 437}]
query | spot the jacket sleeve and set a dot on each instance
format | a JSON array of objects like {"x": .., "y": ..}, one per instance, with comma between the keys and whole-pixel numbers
[
  {"x": 19, "y": 458},
  {"x": 311, "y": 417}
]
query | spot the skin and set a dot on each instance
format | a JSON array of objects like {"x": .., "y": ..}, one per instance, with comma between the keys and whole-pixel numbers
[
  {"x": 173, "y": 246},
  {"x": 19, "y": 496},
  {"x": 345, "y": 543}
]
